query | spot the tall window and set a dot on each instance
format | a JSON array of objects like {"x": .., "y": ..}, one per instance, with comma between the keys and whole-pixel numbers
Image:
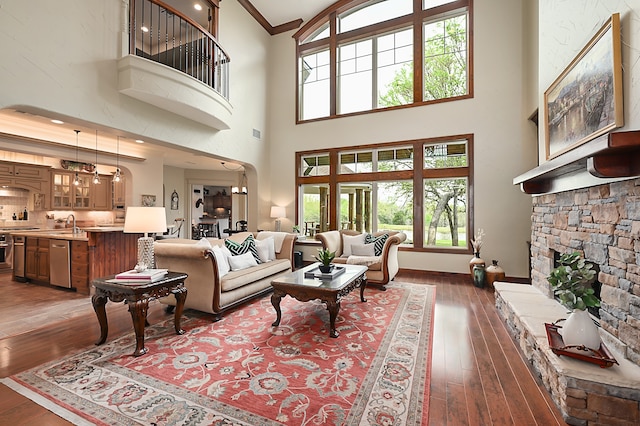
[
  {"x": 376, "y": 55},
  {"x": 375, "y": 188}
]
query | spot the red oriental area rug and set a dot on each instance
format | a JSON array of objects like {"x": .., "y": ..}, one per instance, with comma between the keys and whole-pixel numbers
[{"x": 243, "y": 371}]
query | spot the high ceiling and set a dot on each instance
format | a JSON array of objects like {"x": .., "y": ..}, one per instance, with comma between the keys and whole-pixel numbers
[{"x": 279, "y": 12}]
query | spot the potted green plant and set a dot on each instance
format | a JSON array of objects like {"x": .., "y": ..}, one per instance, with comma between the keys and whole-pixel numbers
[
  {"x": 571, "y": 282},
  {"x": 325, "y": 257}
]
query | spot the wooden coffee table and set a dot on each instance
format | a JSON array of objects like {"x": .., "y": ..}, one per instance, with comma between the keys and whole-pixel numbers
[
  {"x": 138, "y": 296},
  {"x": 330, "y": 292}
]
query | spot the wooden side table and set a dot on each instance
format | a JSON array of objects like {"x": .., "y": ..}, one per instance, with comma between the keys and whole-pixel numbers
[{"x": 137, "y": 296}]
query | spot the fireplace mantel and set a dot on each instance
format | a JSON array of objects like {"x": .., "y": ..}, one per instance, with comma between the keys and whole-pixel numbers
[{"x": 612, "y": 155}]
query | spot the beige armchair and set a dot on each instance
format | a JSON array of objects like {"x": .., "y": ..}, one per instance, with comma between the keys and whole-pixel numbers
[{"x": 382, "y": 269}]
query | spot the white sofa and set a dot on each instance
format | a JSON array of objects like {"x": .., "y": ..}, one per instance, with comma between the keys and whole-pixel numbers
[{"x": 206, "y": 290}]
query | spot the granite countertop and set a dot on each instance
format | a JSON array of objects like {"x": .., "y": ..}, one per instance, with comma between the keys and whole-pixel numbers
[{"x": 66, "y": 233}]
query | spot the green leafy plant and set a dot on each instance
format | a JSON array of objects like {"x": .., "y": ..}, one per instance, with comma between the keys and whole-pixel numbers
[
  {"x": 325, "y": 256},
  {"x": 571, "y": 282}
]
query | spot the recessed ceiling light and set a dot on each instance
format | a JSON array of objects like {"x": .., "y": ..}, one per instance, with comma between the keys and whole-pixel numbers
[
  {"x": 144, "y": 29},
  {"x": 57, "y": 122},
  {"x": 197, "y": 6},
  {"x": 139, "y": 141}
]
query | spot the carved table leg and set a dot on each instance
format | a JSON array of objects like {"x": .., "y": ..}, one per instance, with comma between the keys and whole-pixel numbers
[
  {"x": 181, "y": 296},
  {"x": 363, "y": 284},
  {"x": 333, "y": 306},
  {"x": 99, "y": 300},
  {"x": 275, "y": 301},
  {"x": 138, "y": 310}
]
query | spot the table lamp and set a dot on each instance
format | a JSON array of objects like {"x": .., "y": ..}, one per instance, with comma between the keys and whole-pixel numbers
[
  {"x": 145, "y": 220},
  {"x": 278, "y": 212}
]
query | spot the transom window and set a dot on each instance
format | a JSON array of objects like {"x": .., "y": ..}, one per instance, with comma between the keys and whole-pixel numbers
[{"x": 376, "y": 55}]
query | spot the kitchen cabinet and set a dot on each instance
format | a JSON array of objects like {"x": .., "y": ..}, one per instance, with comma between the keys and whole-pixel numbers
[
  {"x": 118, "y": 193},
  {"x": 25, "y": 171},
  {"x": 80, "y": 266},
  {"x": 85, "y": 196},
  {"x": 37, "y": 259},
  {"x": 217, "y": 205}
]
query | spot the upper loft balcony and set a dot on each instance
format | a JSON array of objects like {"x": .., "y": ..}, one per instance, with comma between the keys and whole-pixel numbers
[{"x": 175, "y": 64}]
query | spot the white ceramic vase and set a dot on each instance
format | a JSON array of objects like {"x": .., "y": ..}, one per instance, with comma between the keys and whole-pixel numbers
[{"x": 579, "y": 329}]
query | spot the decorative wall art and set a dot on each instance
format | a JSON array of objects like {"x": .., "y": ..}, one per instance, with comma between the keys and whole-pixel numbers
[
  {"x": 148, "y": 201},
  {"x": 585, "y": 101},
  {"x": 174, "y": 200}
]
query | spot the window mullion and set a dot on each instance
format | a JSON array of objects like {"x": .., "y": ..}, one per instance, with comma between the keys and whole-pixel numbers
[
  {"x": 418, "y": 195},
  {"x": 418, "y": 52},
  {"x": 374, "y": 73},
  {"x": 333, "y": 64}
]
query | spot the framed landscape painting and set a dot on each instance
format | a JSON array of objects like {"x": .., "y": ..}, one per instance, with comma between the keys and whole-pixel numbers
[{"x": 585, "y": 101}]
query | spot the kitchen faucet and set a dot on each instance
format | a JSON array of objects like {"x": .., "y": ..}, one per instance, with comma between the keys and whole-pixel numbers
[{"x": 75, "y": 230}]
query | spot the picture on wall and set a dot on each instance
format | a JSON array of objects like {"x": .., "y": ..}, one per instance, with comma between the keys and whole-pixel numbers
[
  {"x": 148, "y": 201},
  {"x": 585, "y": 101}
]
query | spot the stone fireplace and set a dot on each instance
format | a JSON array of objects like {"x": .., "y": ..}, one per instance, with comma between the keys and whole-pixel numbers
[
  {"x": 571, "y": 212},
  {"x": 603, "y": 222}
]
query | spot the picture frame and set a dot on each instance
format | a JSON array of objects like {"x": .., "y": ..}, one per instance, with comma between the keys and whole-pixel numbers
[
  {"x": 585, "y": 101},
  {"x": 148, "y": 201}
]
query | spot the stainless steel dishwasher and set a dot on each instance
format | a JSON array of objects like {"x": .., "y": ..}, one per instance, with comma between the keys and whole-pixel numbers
[
  {"x": 60, "y": 263},
  {"x": 18, "y": 258}
]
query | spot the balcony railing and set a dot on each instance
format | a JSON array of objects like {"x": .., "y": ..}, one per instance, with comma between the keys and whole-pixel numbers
[{"x": 163, "y": 34}]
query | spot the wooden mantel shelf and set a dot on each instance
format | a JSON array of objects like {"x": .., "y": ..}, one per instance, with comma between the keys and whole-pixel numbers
[{"x": 613, "y": 155}]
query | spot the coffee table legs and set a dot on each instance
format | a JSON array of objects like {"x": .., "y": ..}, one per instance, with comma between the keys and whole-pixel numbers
[
  {"x": 333, "y": 306},
  {"x": 276, "y": 297}
]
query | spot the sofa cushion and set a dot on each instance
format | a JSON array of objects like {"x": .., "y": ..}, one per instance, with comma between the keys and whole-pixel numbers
[
  {"x": 221, "y": 260},
  {"x": 363, "y": 249},
  {"x": 349, "y": 240},
  {"x": 242, "y": 261},
  {"x": 266, "y": 249},
  {"x": 236, "y": 279},
  {"x": 247, "y": 246},
  {"x": 377, "y": 241}
]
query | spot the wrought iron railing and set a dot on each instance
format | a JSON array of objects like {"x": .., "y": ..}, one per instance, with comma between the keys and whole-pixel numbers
[{"x": 163, "y": 34}]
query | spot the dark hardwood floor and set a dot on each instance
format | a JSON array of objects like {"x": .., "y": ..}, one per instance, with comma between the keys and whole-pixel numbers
[{"x": 478, "y": 376}]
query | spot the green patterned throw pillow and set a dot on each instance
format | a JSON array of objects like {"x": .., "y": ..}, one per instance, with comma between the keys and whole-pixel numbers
[
  {"x": 248, "y": 245},
  {"x": 377, "y": 241}
]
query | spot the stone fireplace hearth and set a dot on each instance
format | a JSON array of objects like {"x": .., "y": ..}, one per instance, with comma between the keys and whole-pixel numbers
[{"x": 603, "y": 223}]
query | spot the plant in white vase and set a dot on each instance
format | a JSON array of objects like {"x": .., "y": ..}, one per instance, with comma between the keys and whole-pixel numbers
[{"x": 571, "y": 283}]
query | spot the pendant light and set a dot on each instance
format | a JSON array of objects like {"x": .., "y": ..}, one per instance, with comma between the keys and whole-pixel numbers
[
  {"x": 116, "y": 177},
  {"x": 76, "y": 180},
  {"x": 96, "y": 176}
]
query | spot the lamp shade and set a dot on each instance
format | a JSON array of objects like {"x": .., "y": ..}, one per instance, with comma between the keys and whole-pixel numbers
[
  {"x": 144, "y": 220},
  {"x": 278, "y": 211}
]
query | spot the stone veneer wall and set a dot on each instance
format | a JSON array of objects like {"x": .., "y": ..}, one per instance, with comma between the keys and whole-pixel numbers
[{"x": 602, "y": 222}]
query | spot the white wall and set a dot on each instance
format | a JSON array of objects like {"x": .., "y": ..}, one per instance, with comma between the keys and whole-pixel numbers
[
  {"x": 564, "y": 31},
  {"x": 505, "y": 144}
]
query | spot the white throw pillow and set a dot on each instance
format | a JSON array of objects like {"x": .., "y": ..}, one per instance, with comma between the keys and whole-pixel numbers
[
  {"x": 204, "y": 243},
  {"x": 363, "y": 250},
  {"x": 242, "y": 261},
  {"x": 349, "y": 240},
  {"x": 221, "y": 261},
  {"x": 266, "y": 249}
]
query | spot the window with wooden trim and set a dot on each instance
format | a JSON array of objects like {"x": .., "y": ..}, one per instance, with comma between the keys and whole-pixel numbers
[
  {"x": 374, "y": 188},
  {"x": 365, "y": 56}
]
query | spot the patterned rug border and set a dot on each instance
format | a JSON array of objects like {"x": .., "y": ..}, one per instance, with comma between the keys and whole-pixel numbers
[{"x": 418, "y": 403}]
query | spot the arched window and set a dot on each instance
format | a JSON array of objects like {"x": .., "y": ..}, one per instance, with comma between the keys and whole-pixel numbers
[{"x": 359, "y": 56}]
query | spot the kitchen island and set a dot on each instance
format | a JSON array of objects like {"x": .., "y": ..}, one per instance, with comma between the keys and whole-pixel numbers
[{"x": 95, "y": 252}]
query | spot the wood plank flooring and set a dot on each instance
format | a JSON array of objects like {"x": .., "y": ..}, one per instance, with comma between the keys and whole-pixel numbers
[{"x": 478, "y": 376}]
